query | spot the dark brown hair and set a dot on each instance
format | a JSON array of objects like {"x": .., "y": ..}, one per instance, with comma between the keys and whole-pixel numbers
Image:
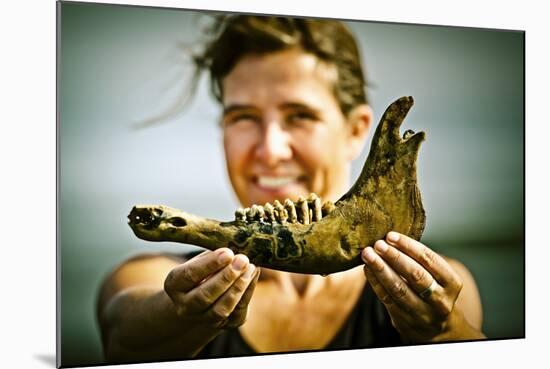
[{"x": 331, "y": 41}]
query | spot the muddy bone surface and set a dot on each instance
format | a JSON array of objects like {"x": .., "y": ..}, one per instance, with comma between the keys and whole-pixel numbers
[{"x": 311, "y": 235}]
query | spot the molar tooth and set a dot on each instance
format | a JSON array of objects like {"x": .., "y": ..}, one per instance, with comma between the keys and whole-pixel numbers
[
  {"x": 327, "y": 208},
  {"x": 260, "y": 214},
  {"x": 253, "y": 213},
  {"x": 314, "y": 203},
  {"x": 291, "y": 210},
  {"x": 269, "y": 212},
  {"x": 281, "y": 214},
  {"x": 311, "y": 197},
  {"x": 284, "y": 216},
  {"x": 240, "y": 215},
  {"x": 302, "y": 210},
  {"x": 249, "y": 215}
]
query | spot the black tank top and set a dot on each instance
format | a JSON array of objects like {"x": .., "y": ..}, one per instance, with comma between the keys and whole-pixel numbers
[{"x": 368, "y": 326}]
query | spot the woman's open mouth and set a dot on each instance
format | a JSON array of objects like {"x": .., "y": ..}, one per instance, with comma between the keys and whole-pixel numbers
[
  {"x": 280, "y": 185},
  {"x": 275, "y": 182}
]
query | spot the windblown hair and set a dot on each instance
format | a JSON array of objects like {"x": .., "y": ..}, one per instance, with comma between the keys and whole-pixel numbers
[
  {"x": 234, "y": 36},
  {"x": 231, "y": 37}
]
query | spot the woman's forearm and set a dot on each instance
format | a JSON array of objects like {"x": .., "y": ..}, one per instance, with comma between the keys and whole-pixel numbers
[{"x": 141, "y": 323}]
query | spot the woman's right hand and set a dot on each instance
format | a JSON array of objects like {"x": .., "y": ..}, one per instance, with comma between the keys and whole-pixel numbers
[{"x": 213, "y": 289}]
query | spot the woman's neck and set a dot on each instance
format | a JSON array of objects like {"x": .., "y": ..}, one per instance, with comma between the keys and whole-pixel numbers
[{"x": 303, "y": 286}]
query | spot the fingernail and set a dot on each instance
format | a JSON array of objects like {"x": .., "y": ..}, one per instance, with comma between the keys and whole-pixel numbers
[
  {"x": 249, "y": 271},
  {"x": 239, "y": 263},
  {"x": 381, "y": 246},
  {"x": 393, "y": 236},
  {"x": 224, "y": 257},
  {"x": 368, "y": 255}
]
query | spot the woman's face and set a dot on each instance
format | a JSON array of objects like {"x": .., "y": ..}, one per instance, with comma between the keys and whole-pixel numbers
[{"x": 284, "y": 133}]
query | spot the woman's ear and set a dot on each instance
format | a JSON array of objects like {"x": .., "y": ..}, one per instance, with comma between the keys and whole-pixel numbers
[{"x": 359, "y": 121}]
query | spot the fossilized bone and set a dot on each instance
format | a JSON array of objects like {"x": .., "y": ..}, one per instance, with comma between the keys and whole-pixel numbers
[{"x": 305, "y": 237}]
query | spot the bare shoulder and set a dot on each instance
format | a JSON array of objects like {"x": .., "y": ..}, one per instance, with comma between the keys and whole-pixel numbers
[
  {"x": 144, "y": 269},
  {"x": 468, "y": 300}
]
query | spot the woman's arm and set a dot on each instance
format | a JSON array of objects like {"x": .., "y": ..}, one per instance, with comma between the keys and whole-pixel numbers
[{"x": 157, "y": 307}]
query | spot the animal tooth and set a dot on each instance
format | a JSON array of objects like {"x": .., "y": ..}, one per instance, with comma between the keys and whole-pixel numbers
[
  {"x": 249, "y": 215},
  {"x": 307, "y": 211},
  {"x": 240, "y": 215},
  {"x": 280, "y": 211},
  {"x": 268, "y": 209},
  {"x": 291, "y": 210},
  {"x": 253, "y": 214},
  {"x": 302, "y": 210},
  {"x": 307, "y": 237},
  {"x": 260, "y": 214},
  {"x": 327, "y": 208},
  {"x": 314, "y": 203}
]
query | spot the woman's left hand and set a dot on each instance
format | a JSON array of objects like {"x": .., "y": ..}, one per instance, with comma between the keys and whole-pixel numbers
[{"x": 418, "y": 288}]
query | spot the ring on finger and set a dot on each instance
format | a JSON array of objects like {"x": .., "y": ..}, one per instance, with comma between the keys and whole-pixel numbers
[{"x": 424, "y": 294}]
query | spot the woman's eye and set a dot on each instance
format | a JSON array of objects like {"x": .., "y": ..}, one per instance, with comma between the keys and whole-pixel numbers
[
  {"x": 301, "y": 117},
  {"x": 241, "y": 118}
]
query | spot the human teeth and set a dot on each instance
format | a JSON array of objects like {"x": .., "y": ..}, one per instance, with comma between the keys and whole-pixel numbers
[{"x": 274, "y": 182}]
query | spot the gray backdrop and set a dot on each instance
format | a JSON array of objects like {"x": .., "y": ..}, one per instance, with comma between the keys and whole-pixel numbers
[{"x": 120, "y": 65}]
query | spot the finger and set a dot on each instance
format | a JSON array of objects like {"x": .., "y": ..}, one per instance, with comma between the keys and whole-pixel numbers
[
  {"x": 220, "y": 311},
  {"x": 191, "y": 273},
  {"x": 429, "y": 259},
  {"x": 392, "y": 283},
  {"x": 415, "y": 274},
  {"x": 245, "y": 299},
  {"x": 202, "y": 297},
  {"x": 238, "y": 316},
  {"x": 396, "y": 313},
  {"x": 378, "y": 289},
  {"x": 418, "y": 278},
  {"x": 204, "y": 253}
]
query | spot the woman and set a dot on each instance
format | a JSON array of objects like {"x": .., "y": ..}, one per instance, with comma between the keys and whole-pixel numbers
[{"x": 295, "y": 115}]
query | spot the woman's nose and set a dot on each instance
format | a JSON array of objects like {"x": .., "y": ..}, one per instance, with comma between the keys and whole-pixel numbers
[{"x": 274, "y": 145}]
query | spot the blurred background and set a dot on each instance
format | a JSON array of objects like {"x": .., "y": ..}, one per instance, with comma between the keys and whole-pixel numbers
[{"x": 122, "y": 65}]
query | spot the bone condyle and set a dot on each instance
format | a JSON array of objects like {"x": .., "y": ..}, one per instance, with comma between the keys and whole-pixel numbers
[{"x": 310, "y": 235}]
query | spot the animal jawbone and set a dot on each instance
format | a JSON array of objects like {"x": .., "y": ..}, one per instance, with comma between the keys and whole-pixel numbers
[{"x": 308, "y": 236}]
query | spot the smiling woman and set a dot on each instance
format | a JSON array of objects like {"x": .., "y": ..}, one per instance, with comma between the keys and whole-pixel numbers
[{"x": 295, "y": 116}]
